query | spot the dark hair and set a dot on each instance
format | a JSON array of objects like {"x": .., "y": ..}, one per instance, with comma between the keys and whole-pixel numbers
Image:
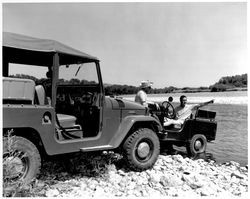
[
  {"x": 49, "y": 74},
  {"x": 170, "y": 99},
  {"x": 183, "y": 96}
]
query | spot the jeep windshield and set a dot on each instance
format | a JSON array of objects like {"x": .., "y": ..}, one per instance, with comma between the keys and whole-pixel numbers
[{"x": 84, "y": 73}]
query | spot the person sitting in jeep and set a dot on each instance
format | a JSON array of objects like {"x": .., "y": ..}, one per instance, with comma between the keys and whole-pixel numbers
[
  {"x": 47, "y": 83},
  {"x": 183, "y": 111}
]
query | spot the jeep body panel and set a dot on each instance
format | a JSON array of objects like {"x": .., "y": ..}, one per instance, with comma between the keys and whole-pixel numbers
[
  {"x": 191, "y": 127},
  {"x": 116, "y": 124}
]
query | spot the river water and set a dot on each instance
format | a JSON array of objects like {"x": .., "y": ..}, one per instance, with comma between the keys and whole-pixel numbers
[{"x": 231, "y": 143}]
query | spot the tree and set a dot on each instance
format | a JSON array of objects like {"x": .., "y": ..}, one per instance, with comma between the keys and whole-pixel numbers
[{"x": 229, "y": 82}]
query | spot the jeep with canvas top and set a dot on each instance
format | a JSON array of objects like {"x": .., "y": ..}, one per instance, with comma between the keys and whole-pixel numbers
[{"x": 59, "y": 107}]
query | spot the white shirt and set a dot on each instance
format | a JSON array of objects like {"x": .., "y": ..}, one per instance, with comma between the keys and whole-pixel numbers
[
  {"x": 141, "y": 98},
  {"x": 183, "y": 113}
]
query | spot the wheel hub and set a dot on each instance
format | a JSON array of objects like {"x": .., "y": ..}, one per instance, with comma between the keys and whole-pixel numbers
[
  {"x": 198, "y": 145},
  {"x": 14, "y": 166},
  {"x": 143, "y": 150}
]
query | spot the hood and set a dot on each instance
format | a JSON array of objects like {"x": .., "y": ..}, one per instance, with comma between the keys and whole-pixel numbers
[{"x": 119, "y": 103}]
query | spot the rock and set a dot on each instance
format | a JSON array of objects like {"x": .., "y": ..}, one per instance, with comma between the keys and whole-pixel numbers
[
  {"x": 165, "y": 181},
  {"x": 185, "y": 187},
  {"x": 144, "y": 193},
  {"x": 64, "y": 174},
  {"x": 99, "y": 192},
  {"x": 200, "y": 161},
  {"x": 155, "y": 194},
  {"x": 137, "y": 193},
  {"x": 243, "y": 169},
  {"x": 194, "y": 181},
  {"x": 224, "y": 194},
  {"x": 178, "y": 158},
  {"x": 115, "y": 178},
  {"x": 118, "y": 193},
  {"x": 121, "y": 172},
  {"x": 206, "y": 191},
  {"x": 83, "y": 185},
  {"x": 141, "y": 180},
  {"x": 159, "y": 167},
  {"x": 236, "y": 164},
  {"x": 173, "y": 192},
  {"x": 92, "y": 185},
  {"x": 131, "y": 185},
  {"x": 40, "y": 184},
  {"x": 171, "y": 181},
  {"x": 155, "y": 178},
  {"x": 244, "y": 182},
  {"x": 237, "y": 174},
  {"x": 52, "y": 193},
  {"x": 166, "y": 159}
]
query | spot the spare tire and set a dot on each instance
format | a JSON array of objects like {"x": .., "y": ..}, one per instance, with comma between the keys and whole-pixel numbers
[{"x": 21, "y": 160}]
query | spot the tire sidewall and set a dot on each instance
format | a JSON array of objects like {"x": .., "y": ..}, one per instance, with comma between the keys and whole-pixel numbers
[
  {"x": 191, "y": 145},
  {"x": 32, "y": 157},
  {"x": 130, "y": 145}
]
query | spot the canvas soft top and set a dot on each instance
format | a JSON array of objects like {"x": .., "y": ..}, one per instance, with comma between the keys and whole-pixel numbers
[{"x": 22, "y": 49}]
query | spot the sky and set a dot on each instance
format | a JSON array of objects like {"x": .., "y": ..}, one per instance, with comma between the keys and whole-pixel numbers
[{"x": 170, "y": 44}]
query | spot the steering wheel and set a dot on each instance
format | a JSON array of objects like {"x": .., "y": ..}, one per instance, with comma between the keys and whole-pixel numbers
[{"x": 168, "y": 110}]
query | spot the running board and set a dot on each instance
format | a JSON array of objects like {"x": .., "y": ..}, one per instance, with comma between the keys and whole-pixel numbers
[{"x": 96, "y": 148}]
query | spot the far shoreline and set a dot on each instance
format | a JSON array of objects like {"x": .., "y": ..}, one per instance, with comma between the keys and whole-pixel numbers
[{"x": 206, "y": 90}]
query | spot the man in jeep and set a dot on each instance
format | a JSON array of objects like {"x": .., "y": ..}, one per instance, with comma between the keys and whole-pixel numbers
[{"x": 183, "y": 111}]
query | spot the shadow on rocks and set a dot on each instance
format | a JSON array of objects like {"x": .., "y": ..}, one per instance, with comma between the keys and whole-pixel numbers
[{"x": 91, "y": 164}]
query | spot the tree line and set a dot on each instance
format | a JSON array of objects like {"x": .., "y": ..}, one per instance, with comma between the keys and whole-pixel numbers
[{"x": 224, "y": 84}]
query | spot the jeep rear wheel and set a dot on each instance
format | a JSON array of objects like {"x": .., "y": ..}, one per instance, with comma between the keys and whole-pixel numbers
[
  {"x": 197, "y": 145},
  {"x": 21, "y": 160},
  {"x": 141, "y": 149}
]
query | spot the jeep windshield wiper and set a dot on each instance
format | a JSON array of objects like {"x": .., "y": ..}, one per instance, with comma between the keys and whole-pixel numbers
[{"x": 78, "y": 69}]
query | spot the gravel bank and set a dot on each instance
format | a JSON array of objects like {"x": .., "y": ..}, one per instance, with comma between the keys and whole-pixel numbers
[{"x": 104, "y": 175}]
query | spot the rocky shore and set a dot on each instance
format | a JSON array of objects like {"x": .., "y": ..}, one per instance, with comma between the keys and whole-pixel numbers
[{"x": 105, "y": 175}]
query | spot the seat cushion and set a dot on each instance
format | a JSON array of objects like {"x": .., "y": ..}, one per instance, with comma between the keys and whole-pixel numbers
[
  {"x": 66, "y": 120},
  {"x": 18, "y": 91}
]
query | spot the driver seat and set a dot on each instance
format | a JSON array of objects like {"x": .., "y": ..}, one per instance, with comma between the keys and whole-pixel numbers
[{"x": 66, "y": 121}]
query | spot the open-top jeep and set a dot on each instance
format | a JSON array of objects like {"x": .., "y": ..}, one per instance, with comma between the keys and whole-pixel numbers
[
  {"x": 197, "y": 130},
  {"x": 67, "y": 111}
]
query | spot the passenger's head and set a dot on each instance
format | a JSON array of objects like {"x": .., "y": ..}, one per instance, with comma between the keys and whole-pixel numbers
[
  {"x": 183, "y": 100},
  {"x": 170, "y": 99},
  {"x": 49, "y": 74}
]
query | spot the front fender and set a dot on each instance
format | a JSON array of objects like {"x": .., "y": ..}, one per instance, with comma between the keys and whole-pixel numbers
[{"x": 127, "y": 123}]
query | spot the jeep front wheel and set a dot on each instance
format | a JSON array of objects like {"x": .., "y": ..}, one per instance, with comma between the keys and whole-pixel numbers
[
  {"x": 197, "y": 145},
  {"x": 141, "y": 149},
  {"x": 21, "y": 160}
]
